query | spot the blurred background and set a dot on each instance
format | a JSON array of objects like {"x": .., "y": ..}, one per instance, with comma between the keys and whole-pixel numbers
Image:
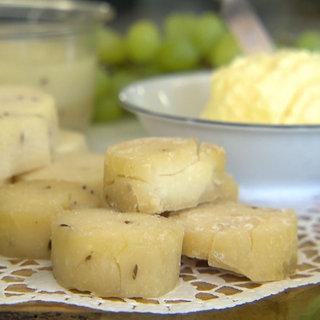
[
  {"x": 144, "y": 38},
  {"x": 280, "y": 16},
  {"x": 126, "y": 49}
]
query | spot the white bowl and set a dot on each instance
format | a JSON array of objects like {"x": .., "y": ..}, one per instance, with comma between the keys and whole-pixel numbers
[{"x": 271, "y": 163}]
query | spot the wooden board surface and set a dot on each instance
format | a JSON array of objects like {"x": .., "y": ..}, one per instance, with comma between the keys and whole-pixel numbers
[{"x": 288, "y": 305}]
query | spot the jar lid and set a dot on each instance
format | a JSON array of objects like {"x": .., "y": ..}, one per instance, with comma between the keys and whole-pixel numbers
[{"x": 33, "y": 18}]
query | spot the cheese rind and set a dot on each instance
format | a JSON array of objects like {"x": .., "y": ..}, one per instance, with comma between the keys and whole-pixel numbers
[
  {"x": 153, "y": 175},
  {"x": 260, "y": 243},
  {"x": 24, "y": 144},
  {"x": 27, "y": 210},
  {"x": 116, "y": 254}
]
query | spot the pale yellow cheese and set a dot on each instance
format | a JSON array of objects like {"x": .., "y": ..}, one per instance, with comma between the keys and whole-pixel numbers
[
  {"x": 24, "y": 144},
  {"x": 71, "y": 141},
  {"x": 5, "y": 181},
  {"x": 260, "y": 243},
  {"x": 153, "y": 175},
  {"x": 116, "y": 254},
  {"x": 28, "y": 100},
  {"x": 228, "y": 189},
  {"x": 278, "y": 88},
  {"x": 85, "y": 168},
  {"x": 27, "y": 210}
]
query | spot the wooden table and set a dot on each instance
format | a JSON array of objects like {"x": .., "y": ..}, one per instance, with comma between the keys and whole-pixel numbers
[{"x": 289, "y": 305}]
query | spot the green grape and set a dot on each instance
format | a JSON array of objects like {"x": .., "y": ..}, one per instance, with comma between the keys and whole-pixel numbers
[
  {"x": 208, "y": 29},
  {"x": 142, "y": 41},
  {"x": 148, "y": 71},
  {"x": 189, "y": 41},
  {"x": 309, "y": 40},
  {"x": 177, "y": 55},
  {"x": 111, "y": 46},
  {"x": 108, "y": 109},
  {"x": 224, "y": 51},
  {"x": 178, "y": 25},
  {"x": 121, "y": 78},
  {"x": 103, "y": 84}
]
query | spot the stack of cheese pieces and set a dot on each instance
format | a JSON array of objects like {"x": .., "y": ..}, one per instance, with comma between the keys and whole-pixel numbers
[
  {"x": 29, "y": 129},
  {"x": 44, "y": 169},
  {"x": 117, "y": 224},
  {"x": 135, "y": 250},
  {"x": 187, "y": 180}
]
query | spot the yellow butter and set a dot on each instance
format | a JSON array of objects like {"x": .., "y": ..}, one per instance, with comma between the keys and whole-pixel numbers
[{"x": 278, "y": 88}]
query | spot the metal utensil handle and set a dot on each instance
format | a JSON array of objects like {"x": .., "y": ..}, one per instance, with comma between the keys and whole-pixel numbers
[{"x": 247, "y": 27}]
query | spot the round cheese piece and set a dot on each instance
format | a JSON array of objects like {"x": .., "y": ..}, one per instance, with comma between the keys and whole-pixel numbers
[
  {"x": 116, "y": 254},
  {"x": 27, "y": 210},
  {"x": 260, "y": 243},
  {"x": 154, "y": 175}
]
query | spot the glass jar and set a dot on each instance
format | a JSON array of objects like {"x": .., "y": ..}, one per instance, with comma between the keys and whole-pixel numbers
[{"x": 51, "y": 45}]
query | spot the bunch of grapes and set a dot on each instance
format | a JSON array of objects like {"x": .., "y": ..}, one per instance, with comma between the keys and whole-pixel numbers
[{"x": 183, "y": 42}]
